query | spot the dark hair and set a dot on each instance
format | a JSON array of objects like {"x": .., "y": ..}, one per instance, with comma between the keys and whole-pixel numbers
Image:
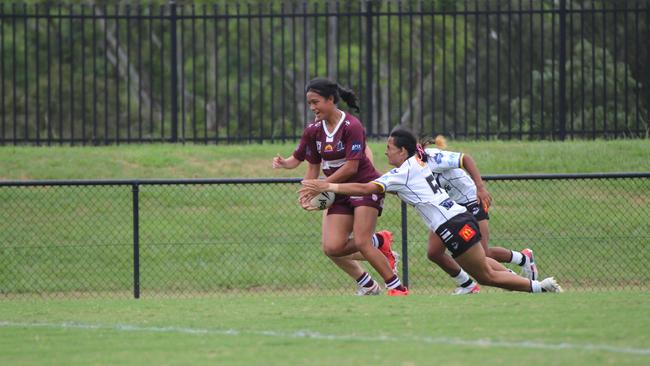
[
  {"x": 403, "y": 138},
  {"x": 327, "y": 88}
]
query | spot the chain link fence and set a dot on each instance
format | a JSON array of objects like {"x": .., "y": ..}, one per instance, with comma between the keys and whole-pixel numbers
[{"x": 173, "y": 238}]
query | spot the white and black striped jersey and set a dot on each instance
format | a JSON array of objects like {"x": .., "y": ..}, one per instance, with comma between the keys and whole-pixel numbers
[
  {"x": 447, "y": 169},
  {"x": 415, "y": 184}
]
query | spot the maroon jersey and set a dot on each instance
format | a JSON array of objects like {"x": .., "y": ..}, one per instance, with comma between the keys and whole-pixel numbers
[{"x": 333, "y": 150}]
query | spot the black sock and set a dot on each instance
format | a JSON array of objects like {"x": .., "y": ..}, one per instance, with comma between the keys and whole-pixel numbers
[{"x": 523, "y": 260}]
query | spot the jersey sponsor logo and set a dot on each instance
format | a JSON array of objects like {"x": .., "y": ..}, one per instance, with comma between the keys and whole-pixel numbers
[
  {"x": 328, "y": 147},
  {"x": 475, "y": 210},
  {"x": 393, "y": 171},
  {"x": 467, "y": 233},
  {"x": 437, "y": 157},
  {"x": 356, "y": 147},
  {"x": 340, "y": 146},
  {"x": 347, "y": 123},
  {"x": 319, "y": 144},
  {"x": 308, "y": 151},
  {"x": 374, "y": 197}
]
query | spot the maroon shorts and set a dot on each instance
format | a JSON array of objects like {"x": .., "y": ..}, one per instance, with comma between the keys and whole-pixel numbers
[{"x": 345, "y": 205}]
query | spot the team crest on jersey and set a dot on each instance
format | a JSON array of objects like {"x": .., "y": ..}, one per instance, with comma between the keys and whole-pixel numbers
[
  {"x": 356, "y": 147},
  {"x": 318, "y": 146},
  {"x": 467, "y": 233},
  {"x": 328, "y": 148},
  {"x": 340, "y": 146}
]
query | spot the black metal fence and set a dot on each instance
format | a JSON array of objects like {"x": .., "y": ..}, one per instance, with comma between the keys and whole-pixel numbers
[
  {"x": 216, "y": 73},
  {"x": 193, "y": 237}
]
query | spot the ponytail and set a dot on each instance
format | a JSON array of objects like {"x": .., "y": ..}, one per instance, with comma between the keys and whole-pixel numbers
[
  {"x": 349, "y": 97},
  {"x": 439, "y": 141}
]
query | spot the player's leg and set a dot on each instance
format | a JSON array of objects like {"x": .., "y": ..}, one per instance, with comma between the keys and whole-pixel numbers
[
  {"x": 461, "y": 236},
  {"x": 523, "y": 259},
  {"x": 335, "y": 234},
  {"x": 474, "y": 262},
  {"x": 436, "y": 253},
  {"x": 365, "y": 219}
]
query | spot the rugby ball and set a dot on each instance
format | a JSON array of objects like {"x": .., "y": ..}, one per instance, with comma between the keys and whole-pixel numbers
[{"x": 323, "y": 200}]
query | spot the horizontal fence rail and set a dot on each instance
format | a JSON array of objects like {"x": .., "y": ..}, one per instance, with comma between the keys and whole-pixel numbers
[
  {"x": 220, "y": 73},
  {"x": 123, "y": 238}
]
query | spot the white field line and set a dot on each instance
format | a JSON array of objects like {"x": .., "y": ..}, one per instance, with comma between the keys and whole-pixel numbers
[{"x": 307, "y": 334}]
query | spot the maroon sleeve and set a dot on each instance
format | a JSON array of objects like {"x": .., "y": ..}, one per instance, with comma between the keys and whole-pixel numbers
[
  {"x": 355, "y": 141},
  {"x": 306, "y": 149}
]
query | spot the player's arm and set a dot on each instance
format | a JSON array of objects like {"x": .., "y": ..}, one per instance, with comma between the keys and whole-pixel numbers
[
  {"x": 313, "y": 186},
  {"x": 313, "y": 170},
  {"x": 344, "y": 173},
  {"x": 469, "y": 165},
  {"x": 289, "y": 163}
]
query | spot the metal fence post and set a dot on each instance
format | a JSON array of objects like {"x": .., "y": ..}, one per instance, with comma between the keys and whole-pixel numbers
[
  {"x": 174, "y": 71},
  {"x": 369, "y": 69},
  {"x": 562, "y": 75},
  {"x": 405, "y": 255},
  {"x": 135, "y": 188}
]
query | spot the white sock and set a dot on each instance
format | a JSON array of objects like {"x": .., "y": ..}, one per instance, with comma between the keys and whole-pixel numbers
[
  {"x": 516, "y": 257},
  {"x": 535, "y": 286},
  {"x": 461, "y": 278}
]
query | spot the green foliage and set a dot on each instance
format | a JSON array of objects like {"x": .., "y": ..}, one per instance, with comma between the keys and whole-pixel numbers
[
  {"x": 601, "y": 94},
  {"x": 442, "y": 71}
]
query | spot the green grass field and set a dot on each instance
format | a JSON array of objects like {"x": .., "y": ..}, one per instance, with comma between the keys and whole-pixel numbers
[
  {"x": 609, "y": 328},
  {"x": 202, "y": 245},
  {"x": 240, "y": 161}
]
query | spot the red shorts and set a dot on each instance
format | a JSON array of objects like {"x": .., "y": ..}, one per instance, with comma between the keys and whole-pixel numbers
[{"x": 345, "y": 205}]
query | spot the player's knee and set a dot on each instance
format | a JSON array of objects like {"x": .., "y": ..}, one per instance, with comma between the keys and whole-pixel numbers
[
  {"x": 332, "y": 251},
  {"x": 435, "y": 256},
  {"x": 363, "y": 245},
  {"x": 485, "y": 277}
]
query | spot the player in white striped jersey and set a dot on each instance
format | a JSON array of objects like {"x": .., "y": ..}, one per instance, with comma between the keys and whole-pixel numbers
[
  {"x": 451, "y": 171},
  {"x": 455, "y": 228}
]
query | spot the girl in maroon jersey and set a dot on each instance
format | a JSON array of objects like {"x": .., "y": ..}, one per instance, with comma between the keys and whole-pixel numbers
[{"x": 336, "y": 142}]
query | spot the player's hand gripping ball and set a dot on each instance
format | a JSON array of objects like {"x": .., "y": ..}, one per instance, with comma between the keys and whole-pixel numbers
[{"x": 323, "y": 200}]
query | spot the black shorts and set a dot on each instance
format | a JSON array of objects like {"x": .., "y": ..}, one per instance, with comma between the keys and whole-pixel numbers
[
  {"x": 459, "y": 233},
  {"x": 476, "y": 209}
]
